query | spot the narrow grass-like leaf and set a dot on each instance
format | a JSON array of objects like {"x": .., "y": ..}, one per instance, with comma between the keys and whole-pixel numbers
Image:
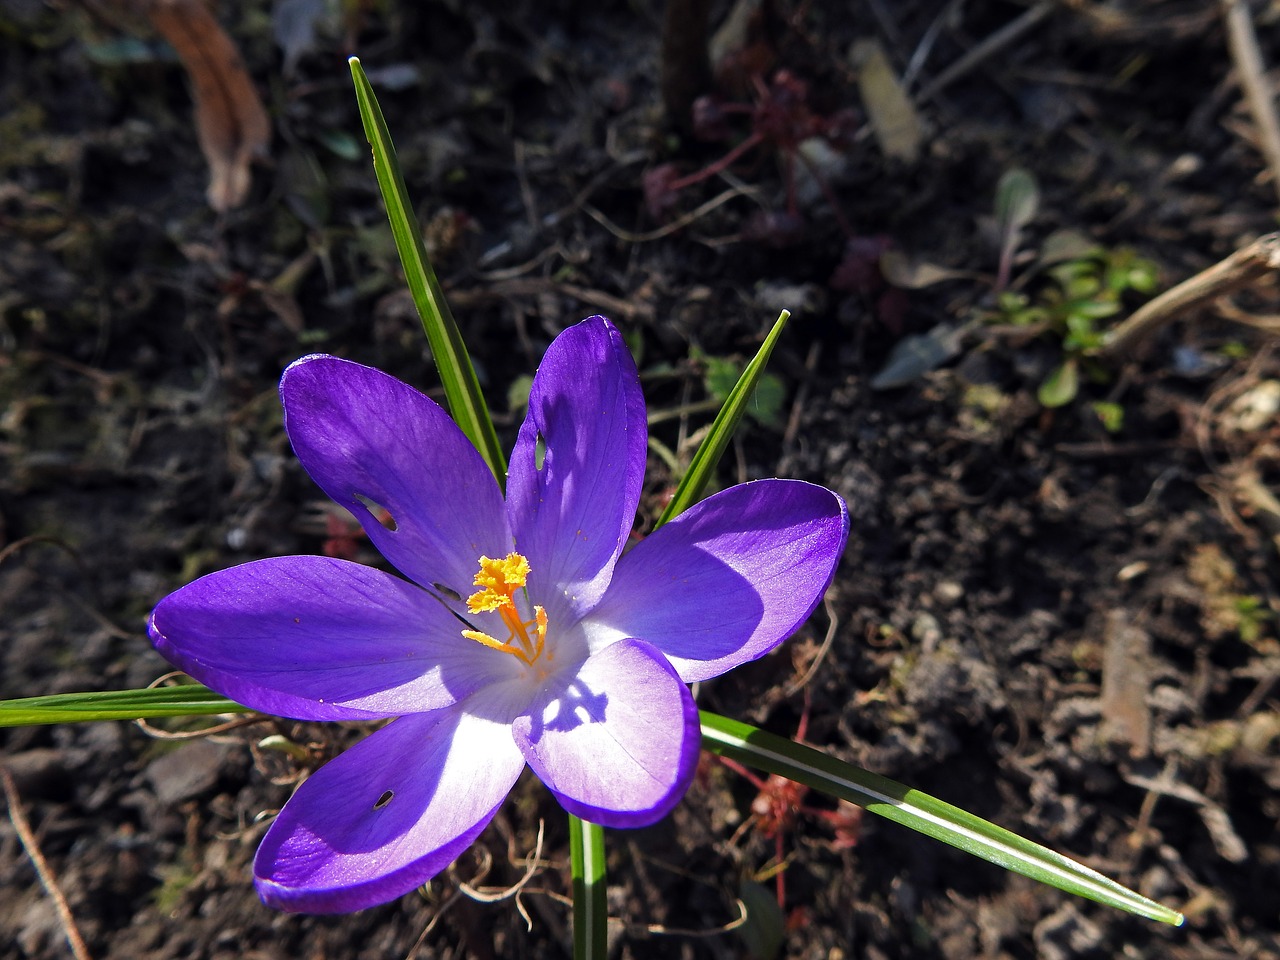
[
  {"x": 461, "y": 388},
  {"x": 704, "y": 463},
  {"x": 188, "y": 700},
  {"x": 921, "y": 812},
  {"x": 590, "y": 908}
]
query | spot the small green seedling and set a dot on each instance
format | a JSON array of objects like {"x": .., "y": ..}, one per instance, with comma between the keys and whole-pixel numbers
[
  {"x": 1070, "y": 287},
  {"x": 1068, "y": 303}
]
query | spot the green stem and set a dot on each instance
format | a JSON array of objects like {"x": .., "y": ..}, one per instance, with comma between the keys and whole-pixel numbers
[{"x": 590, "y": 908}]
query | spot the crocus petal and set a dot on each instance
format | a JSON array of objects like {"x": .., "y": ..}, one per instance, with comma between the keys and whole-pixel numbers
[
  {"x": 388, "y": 814},
  {"x": 367, "y": 438},
  {"x": 618, "y": 744},
  {"x": 576, "y": 471},
  {"x": 317, "y": 638},
  {"x": 727, "y": 580}
]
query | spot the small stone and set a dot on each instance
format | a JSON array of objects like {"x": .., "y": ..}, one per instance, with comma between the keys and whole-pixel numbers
[
  {"x": 948, "y": 591},
  {"x": 186, "y": 772},
  {"x": 41, "y": 772}
]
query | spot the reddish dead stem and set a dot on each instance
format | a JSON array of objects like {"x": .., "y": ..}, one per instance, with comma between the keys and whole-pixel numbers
[
  {"x": 779, "y": 804},
  {"x": 780, "y": 118}
]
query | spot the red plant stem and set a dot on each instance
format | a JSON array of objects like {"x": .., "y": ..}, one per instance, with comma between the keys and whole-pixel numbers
[
  {"x": 711, "y": 170},
  {"x": 742, "y": 771}
]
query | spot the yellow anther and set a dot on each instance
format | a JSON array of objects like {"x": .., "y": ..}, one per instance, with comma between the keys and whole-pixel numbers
[{"x": 499, "y": 580}]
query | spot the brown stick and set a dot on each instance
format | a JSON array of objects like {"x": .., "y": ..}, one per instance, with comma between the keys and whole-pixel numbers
[
  {"x": 47, "y": 878},
  {"x": 1242, "y": 268},
  {"x": 686, "y": 64},
  {"x": 232, "y": 125},
  {"x": 1251, "y": 73}
]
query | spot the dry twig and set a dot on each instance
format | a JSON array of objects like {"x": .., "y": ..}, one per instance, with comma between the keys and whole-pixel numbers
[
  {"x": 1242, "y": 41},
  {"x": 47, "y": 879},
  {"x": 833, "y": 627},
  {"x": 667, "y": 229},
  {"x": 1239, "y": 270}
]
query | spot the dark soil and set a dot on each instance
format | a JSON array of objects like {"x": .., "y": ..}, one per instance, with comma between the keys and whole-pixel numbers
[{"x": 1069, "y": 631}]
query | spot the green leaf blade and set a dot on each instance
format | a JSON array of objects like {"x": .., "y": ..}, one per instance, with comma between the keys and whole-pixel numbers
[
  {"x": 457, "y": 374},
  {"x": 187, "y": 700},
  {"x": 921, "y": 812},
  {"x": 703, "y": 466}
]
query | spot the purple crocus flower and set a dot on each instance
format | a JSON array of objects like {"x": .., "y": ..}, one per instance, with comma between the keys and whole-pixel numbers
[{"x": 521, "y": 634}]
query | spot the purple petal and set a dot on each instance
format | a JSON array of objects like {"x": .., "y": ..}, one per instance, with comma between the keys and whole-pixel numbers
[
  {"x": 727, "y": 580},
  {"x": 363, "y": 434},
  {"x": 387, "y": 815},
  {"x": 320, "y": 639},
  {"x": 572, "y": 515},
  {"x": 618, "y": 744}
]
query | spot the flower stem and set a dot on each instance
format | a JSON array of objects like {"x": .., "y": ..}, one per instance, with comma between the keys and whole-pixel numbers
[{"x": 590, "y": 909}]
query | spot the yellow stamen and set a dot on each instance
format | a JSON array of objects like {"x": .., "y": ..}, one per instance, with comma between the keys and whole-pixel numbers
[{"x": 499, "y": 580}]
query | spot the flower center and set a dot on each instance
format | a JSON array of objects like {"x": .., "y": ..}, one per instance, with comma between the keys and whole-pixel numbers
[{"x": 498, "y": 581}]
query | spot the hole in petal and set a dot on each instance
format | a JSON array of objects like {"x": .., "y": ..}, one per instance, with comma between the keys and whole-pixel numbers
[
  {"x": 448, "y": 592},
  {"x": 539, "y": 452},
  {"x": 383, "y": 800},
  {"x": 379, "y": 512}
]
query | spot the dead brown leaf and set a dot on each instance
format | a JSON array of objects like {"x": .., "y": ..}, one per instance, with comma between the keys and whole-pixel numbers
[
  {"x": 231, "y": 122},
  {"x": 1126, "y": 683},
  {"x": 894, "y": 119}
]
